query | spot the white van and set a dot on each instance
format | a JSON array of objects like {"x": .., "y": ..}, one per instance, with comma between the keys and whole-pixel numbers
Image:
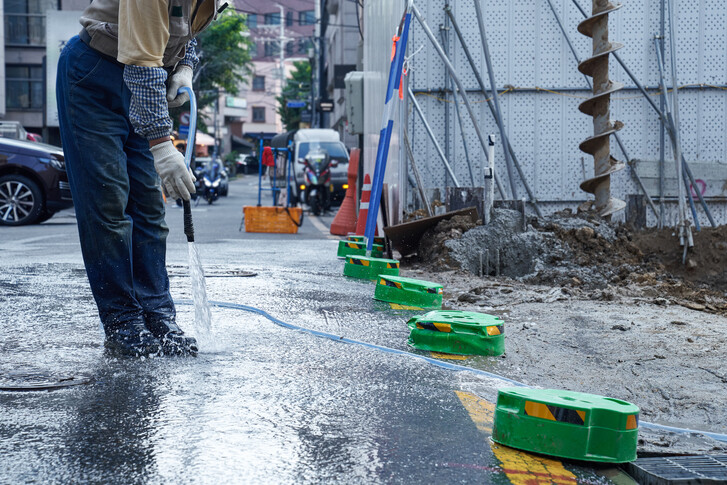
[{"x": 327, "y": 139}]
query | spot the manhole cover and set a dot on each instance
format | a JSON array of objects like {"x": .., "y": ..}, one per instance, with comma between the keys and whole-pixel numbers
[
  {"x": 680, "y": 470},
  {"x": 37, "y": 381},
  {"x": 212, "y": 272}
]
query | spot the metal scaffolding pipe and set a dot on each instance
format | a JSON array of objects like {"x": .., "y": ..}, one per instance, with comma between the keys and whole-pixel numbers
[
  {"x": 667, "y": 110},
  {"x": 494, "y": 94},
  {"x": 450, "y": 85},
  {"x": 662, "y": 130},
  {"x": 417, "y": 176},
  {"x": 685, "y": 232},
  {"x": 505, "y": 141},
  {"x": 453, "y": 73},
  {"x": 428, "y": 128}
]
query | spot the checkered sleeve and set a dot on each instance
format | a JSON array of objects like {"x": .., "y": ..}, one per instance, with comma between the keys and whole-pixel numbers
[
  {"x": 149, "y": 112},
  {"x": 190, "y": 55}
]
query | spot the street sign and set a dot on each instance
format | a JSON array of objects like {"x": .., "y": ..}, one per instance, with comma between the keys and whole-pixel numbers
[
  {"x": 184, "y": 119},
  {"x": 325, "y": 105},
  {"x": 183, "y": 131},
  {"x": 296, "y": 104}
]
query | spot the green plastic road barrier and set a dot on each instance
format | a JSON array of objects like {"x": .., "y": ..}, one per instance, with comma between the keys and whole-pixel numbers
[
  {"x": 346, "y": 248},
  {"x": 367, "y": 268},
  {"x": 566, "y": 424},
  {"x": 455, "y": 332},
  {"x": 360, "y": 239},
  {"x": 408, "y": 291}
]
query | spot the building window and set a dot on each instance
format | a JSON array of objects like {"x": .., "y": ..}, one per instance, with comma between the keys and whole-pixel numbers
[
  {"x": 272, "y": 48},
  {"x": 289, "y": 48},
  {"x": 272, "y": 18},
  {"x": 307, "y": 17},
  {"x": 288, "y": 18},
  {"x": 24, "y": 87},
  {"x": 258, "y": 83},
  {"x": 25, "y": 21},
  {"x": 258, "y": 114},
  {"x": 304, "y": 45},
  {"x": 253, "y": 49},
  {"x": 252, "y": 20}
]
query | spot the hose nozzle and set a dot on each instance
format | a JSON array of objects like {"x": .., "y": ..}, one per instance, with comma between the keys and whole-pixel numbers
[{"x": 188, "y": 225}]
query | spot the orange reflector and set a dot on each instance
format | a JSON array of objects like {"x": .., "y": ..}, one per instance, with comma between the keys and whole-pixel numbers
[{"x": 302, "y": 187}]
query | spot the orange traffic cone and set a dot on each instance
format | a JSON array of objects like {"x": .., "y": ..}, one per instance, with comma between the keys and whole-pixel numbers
[
  {"x": 345, "y": 221},
  {"x": 363, "y": 208}
]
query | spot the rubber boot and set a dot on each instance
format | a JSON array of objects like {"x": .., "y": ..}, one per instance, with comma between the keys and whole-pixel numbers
[
  {"x": 132, "y": 339},
  {"x": 172, "y": 338}
]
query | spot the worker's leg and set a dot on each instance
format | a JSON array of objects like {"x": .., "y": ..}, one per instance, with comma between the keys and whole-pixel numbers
[
  {"x": 149, "y": 236},
  {"x": 93, "y": 130},
  {"x": 146, "y": 210}
]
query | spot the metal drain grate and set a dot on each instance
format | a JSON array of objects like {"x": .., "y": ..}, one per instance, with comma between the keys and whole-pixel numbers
[{"x": 680, "y": 470}]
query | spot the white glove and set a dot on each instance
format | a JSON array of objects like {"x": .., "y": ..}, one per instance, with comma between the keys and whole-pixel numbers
[
  {"x": 177, "y": 180},
  {"x": 181, "y": 78}
]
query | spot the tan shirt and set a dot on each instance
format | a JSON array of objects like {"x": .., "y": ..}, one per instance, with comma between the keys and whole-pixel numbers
[
  {"x": 148, "y": 33},
  {"x": 144, "y": 29}
]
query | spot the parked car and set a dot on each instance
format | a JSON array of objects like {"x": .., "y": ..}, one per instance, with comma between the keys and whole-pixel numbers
[
  {"x": 13, "y": 129},
  {"x": 33, "y": 182},
  {"x": 247, "y": 164}
]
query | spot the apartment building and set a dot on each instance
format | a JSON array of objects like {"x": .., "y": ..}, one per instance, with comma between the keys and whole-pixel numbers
[{"x": 295, "y": 19}]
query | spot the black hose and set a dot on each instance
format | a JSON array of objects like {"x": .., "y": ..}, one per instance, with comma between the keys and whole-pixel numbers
[{"x": 188, "y": 225}]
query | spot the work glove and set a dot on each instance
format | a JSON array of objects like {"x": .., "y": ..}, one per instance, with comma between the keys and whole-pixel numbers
[
  {"x": 177, "y": 180},
  {"x": 180, "y": 78}
]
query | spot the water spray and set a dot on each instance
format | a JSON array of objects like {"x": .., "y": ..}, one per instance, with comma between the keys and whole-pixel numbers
[{"x": 202, "y": 312}]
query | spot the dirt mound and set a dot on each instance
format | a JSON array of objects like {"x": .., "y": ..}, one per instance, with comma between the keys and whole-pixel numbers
[
  {"x": 432, "y": 246},
  {"x": 706, "y": 262},
  {"x": 582, "y": 251}
]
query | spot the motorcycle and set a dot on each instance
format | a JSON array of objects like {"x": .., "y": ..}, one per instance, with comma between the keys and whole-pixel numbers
[
  {"x": 317, "y": 169},
  {"x": 211, "y": 181}
]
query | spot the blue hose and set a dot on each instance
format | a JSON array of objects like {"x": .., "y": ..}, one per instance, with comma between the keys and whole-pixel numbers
[{"x": 435, "y": 362}]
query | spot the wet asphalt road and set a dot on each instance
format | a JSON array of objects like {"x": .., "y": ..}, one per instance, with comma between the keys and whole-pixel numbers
[{"x": 264, "y": 404}]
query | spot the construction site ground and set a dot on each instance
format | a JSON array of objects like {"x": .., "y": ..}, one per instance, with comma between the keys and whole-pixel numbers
[{"x": 598, "y": 308}]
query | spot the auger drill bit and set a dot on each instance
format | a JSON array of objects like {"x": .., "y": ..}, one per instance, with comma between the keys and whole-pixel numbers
[{"x": 599, "y": 107}]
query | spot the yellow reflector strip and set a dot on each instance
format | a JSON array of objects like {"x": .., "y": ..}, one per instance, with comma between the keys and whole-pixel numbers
[
  {"x": 494, "y": 330},
  {"x": 443, "y": 327},
  {"x": 632, "y": 421},
  {"x": 538, "y": 410}
]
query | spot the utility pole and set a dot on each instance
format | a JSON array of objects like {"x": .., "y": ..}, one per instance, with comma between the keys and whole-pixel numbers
[
  {"x": 282, "y": 49},
  {"x": 316, "y": 66}
]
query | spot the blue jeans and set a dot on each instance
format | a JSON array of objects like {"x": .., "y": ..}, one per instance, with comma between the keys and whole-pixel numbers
[{"x": 116, "y": 191}]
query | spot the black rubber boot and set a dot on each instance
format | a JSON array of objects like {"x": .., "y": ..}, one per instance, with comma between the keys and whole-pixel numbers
[
  {"x": 132, "y": 340},
  {"x": 172, "y": 339}
]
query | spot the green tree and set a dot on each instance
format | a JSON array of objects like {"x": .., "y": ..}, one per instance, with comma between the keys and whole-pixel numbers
[
  {"x": 224, "y": 60},
  {"x": 297, "y": 88}
]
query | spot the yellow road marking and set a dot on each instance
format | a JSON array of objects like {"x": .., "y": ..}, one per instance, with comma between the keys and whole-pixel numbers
[
  {"x": 481, "y": 412},
  {"x": 439, "y": 355},
  {"x": 521, "y": 467}
]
